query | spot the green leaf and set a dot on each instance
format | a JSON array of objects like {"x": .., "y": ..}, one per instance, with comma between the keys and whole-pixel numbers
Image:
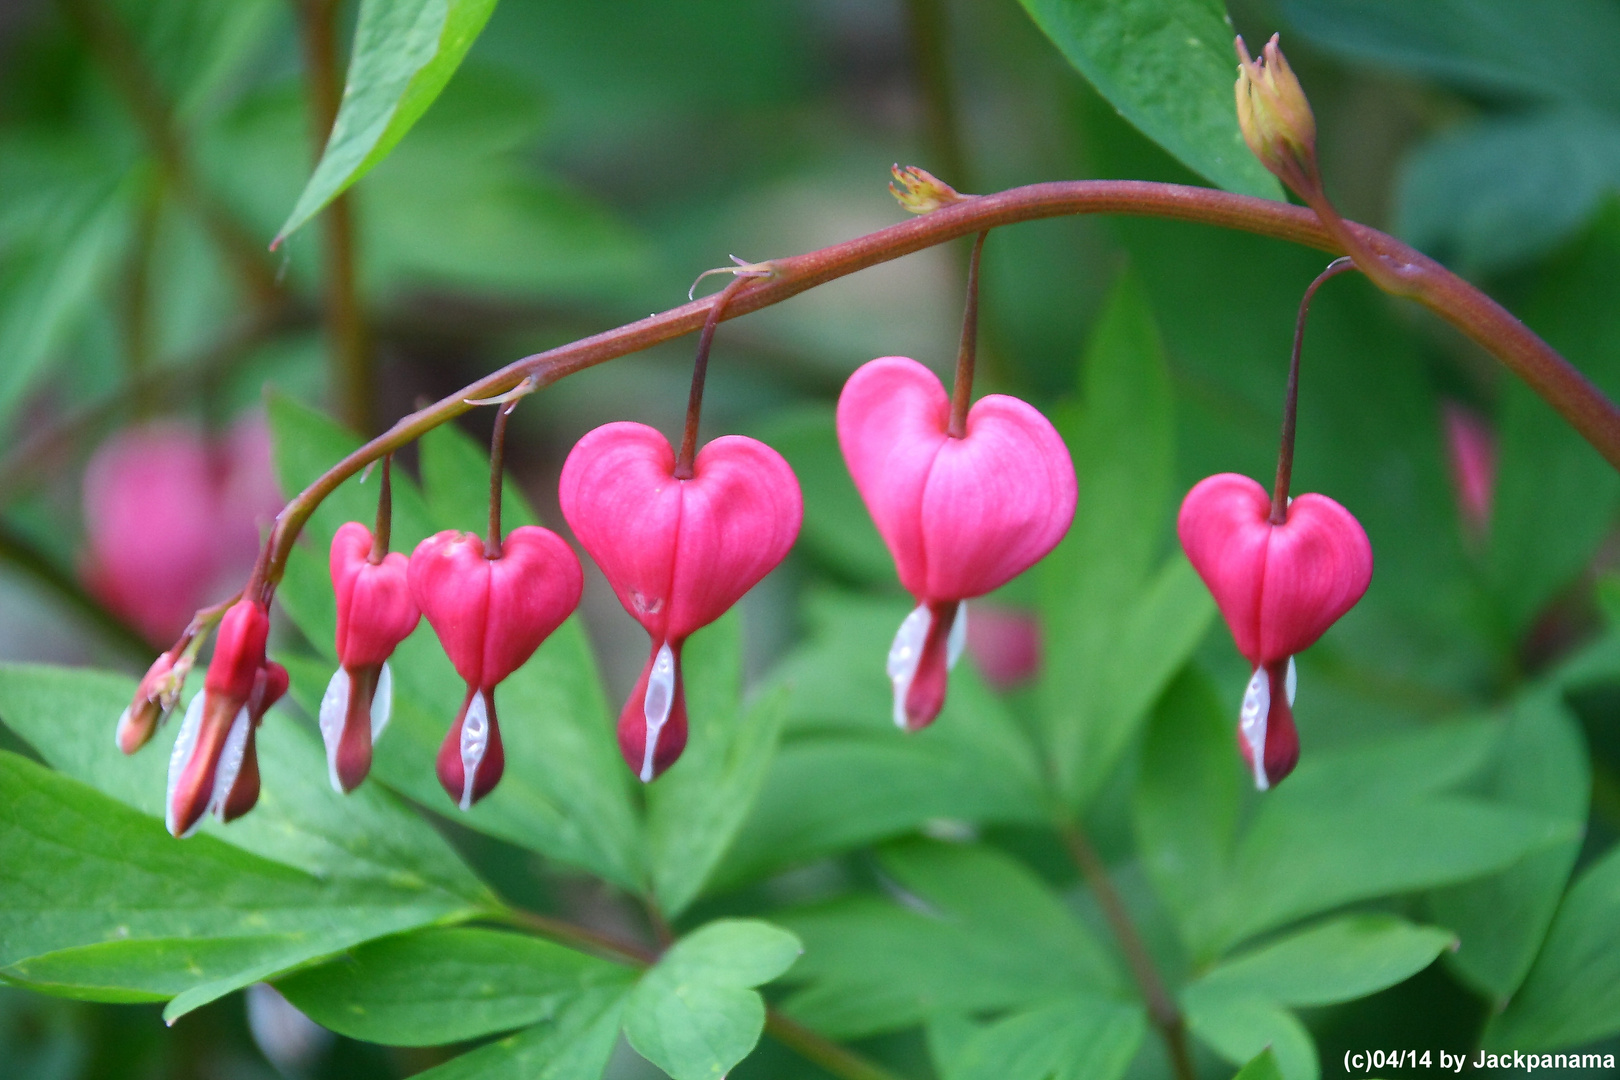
[
  {"x": 1338, "y": 960},
  {"x": 1186, "y": 803},
  {"x": 1572, "y": 995},
  {"x": 696, "y": 809},
  {"x": 1541, "y": 766},
  {"x": 1074, "y": 1038},
  {"x": 978, "y": 932},
  {"x": 84, "y": 870},
  {"x": 1117, "y": 623},
  {"x": 695, "y": 1014},
  {"x": 404, "y": 53},
  {"x": 573, "y": 1045},
  {"x": 1168, "y": 66},
  {"x": 67, "y": 713},
  {"x": 448, "y": 985},
  {"x": 1263, "y": 1067},
  {"x": 1238, "y": 1029}
]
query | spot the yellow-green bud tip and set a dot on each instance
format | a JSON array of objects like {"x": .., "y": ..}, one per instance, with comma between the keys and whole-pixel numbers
[
  {"x": 1275, "y": 116},
  {"x": 920, "y": 191}
]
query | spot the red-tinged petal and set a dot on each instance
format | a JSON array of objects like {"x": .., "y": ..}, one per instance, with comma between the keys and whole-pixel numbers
[
  {"x": 1225, "y": 531},
  {"x": 533, "y": 587},
  {"x": 1318, "y": 565},
  {"x": 1266, "y": 724},
  {"x": 449, "y": 581},
  {"x": 150, "y": 705},
  {"x": 471, "y": 758},
  {"x": 997, "y": 500},
  {"x": 925, "y": 692},
  {"x": 619, "y": 494},
  {"x": 375, "y": 611},
  {"x": 892, "y": 416},
  {"x": 740, "y": 514},
  {"x": 244, "y": 792},
  {"x": 238, "y": 652},
  {"x": 653, "y": 725},
  {"x": 194, "y": 762}
]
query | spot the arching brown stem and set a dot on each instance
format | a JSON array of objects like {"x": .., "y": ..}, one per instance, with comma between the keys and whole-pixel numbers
[
  {"x": 1285, "y": 454},
  {"x": 700, "y": 373},
  {"x": 967, "y": 350}
]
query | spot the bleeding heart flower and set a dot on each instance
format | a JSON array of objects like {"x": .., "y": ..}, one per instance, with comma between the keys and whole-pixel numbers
[
  {"x": 375, "y": 613},
  {"x": 678, "y": 553},
  {"x": 1279, "y": 587},
  {"x": 216, "y": 736},
  {"x": 960, "y": 516},
  {"x": 155, "y": 697},
  {"x": 490, "y": 615}
]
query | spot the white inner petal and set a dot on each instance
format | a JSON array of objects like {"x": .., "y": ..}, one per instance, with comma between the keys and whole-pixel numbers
[
  {"x": 957, "y": 641},
  {"x": 334, "y": 707},
  {"x": 904, "y": 655},
  {"x": 1291, "y": 682},
  {"x": 382, "y": 702},
  {"x": 656, "y": 705},
  {"x": 1252, "y": 724},
  {"x": 474, "y": 741},
  {"x": 184, "y": 743},
  {"x": 230, "y": 761},
  {"x": 118, "y": 732}
]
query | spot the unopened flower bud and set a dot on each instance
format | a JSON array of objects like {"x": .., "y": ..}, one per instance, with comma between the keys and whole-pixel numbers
[
  {"x": 918, "y": 191},
  {"x": 1276, "y": 117},
  {"x": 155, "y": 697}
]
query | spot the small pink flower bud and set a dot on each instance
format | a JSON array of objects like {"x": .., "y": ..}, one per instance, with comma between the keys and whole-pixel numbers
[
  {"x": 961, "y": 517},
  {"x": 678, "y": 553},
  {"x": 1471, "y": 453},
  {"x": 215, "y": 737},
  {"x": 918, "y": 191},
  {"x": 375, "y": 612},
  {"x": 1279, "y": 587},
  {"x": 155, "y": 698},
  {"x": 490, "y": 616}
]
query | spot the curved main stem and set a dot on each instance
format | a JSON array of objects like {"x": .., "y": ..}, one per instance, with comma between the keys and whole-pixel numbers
[
  {"x": 1285, "y": 453},
  {"x": 1453, "y": 299}
]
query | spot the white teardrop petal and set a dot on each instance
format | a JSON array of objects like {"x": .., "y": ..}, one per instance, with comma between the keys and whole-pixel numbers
[
  {"x": 1291, "y": 682},
  {"x": 184, "y": 744},
  {"x": 382, "y": 702},
  {"x": 230, "y": 761},
  {"x": 957, "y": 641},
  {"x": 334, "y": 707},
  {"x": 656, "y": 705},
  {"x": 118, "y": 730},
  {"x": 474, "y": 742},
  {"x": 904, "y": 655},
  {"x": 1252, "y": 724}
]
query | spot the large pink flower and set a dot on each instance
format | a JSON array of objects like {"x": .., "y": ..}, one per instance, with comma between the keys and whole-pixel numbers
[
  {"x": 1279, "y": 587},
  {"x": 678, "y": 553},
  {"x": 490, "y": 615},
  {"x": 961, "y": 516}
]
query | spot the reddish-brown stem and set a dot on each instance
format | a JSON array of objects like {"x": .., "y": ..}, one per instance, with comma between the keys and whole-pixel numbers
[
  {"x": 497, "y": 465},
  {"x": 1161, "y": 1005},
  {"x": 1285, "y": 454},
  {"x": 385, "y": 513},
  {"x": 1456, "y": 301},
  {"x": 700, "y": 372},
  {"x": 967, "y": 349},
  {"x": 353, "y": 382}
]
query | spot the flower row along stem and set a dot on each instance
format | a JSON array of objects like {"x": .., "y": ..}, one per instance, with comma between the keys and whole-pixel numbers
[{"x": 1478, "y": 316}]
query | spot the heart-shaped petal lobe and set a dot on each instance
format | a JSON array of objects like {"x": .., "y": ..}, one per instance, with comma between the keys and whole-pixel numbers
[
  {"x": 961, "y": 517},
  {"x": 375, "y": 611}
]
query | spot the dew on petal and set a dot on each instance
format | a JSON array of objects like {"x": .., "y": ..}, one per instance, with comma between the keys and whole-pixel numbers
[
  {"x": 382, "y": 701},
  {"x": 904, "y": 655},
  {"x": 184, "y": 744},
  {"x": 230, "y": 762},
  {"x": 656, "y": 706},
  {"x": 645, "y": 606},
  {"x": 474, "y": 742},
  {"x": 1252, "y": 724},
  {"x": 334, "y": 707}
]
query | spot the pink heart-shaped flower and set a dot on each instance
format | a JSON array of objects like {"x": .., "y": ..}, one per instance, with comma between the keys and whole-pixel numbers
[{"x": 678, "y": 553}]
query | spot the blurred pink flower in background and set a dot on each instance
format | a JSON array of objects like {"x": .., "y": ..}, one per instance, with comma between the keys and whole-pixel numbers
[
  {"x": 172, "y": 519},
  {"x": 1471, "y": 453},
  {"x": 1005, "y": 644}
]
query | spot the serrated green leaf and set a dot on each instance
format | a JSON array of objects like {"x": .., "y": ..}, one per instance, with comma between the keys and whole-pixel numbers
[
  {"x": 447, "y": 985},
  {"x": 404, "y": 53},
  {"x": 696, "y": 809},
  {"x": 1074, "y": 1038},
  {"x": 1238, "y": 1029},
  {"x": 575, "y": 1045},
  {"x": 1338, "y": 960},
  {"x": 1540, "y": 765},
  {"x": 695, "y": 1014},
  {"x": 1168, "y": 66},
  {"x": 1572, "y": 994}
]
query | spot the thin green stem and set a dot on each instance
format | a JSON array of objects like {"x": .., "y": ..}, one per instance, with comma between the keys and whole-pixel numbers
[
  {"x": 1456, "y": 301},
  {"x": 1161, "y": 1005},
  {"x": 930, "y": 55},
  {"x": 700, "y": 373},
  {"x": 967, "y": 348},
  {"x": 1285, "y": 453},
  {"x": 835, "y": 1058}
]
